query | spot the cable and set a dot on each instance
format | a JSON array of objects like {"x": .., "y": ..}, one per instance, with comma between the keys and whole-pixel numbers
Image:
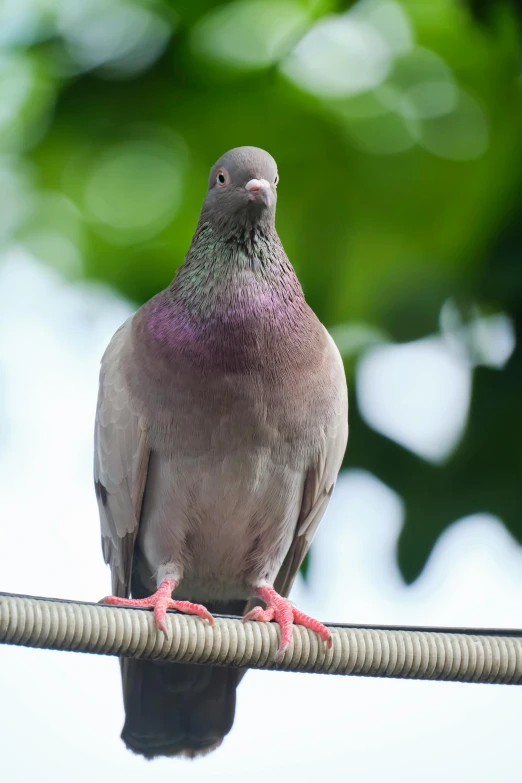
[{"x": 470, "y": 655}]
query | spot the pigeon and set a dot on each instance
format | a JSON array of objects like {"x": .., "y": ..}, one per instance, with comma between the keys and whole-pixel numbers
[{"x": 221, "y": 425}]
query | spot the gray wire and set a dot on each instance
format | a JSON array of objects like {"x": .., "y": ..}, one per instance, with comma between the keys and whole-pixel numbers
[{"x": 466, "y": 656}]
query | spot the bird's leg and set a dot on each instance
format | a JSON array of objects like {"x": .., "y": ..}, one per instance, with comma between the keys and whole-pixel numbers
[
  {"x": 285, "y": 613},
  {"x": 162, "y": 600}
]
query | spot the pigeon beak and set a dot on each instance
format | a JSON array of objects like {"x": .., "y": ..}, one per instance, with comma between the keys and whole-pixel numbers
[{"x": 259, "y": 191}]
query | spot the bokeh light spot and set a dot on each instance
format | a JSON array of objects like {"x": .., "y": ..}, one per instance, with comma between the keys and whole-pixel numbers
[
  {"x": 387, "y": 134},
  {"x": 460, "y": 135},
  {"x": 57, "y": 251},
  {"x": 16, "y": 199},
  {"x": 341, "y": 55},
  {"x": 389, "y": 18},
  {"x": 418, "y": 66},
  {"x": 54, "y": 232},
  {"x": 429, "y": 99},
  {"x": 249, "y": 35},
  {"x": 16, "y": 83},
  {"x": 362, "y": 105},
  {"x": 125, "y": 36},
  {"x": 483, "y": 339},
  {"x": 19, "y": 22},
  {"x": 416, "y": 393},
  {"x": 134, "y": 189}
]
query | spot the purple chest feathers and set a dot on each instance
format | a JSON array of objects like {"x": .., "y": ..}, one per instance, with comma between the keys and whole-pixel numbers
[{"x": 247, "y": 328}]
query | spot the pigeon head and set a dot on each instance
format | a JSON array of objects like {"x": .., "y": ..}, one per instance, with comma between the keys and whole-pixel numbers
[{"x": 242, "y": 187}]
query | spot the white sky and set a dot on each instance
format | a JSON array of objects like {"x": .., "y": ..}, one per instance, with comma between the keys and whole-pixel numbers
[{"x": 61, "y": 713}]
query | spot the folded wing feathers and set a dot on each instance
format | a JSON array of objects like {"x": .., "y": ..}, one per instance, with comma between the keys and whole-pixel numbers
[{"x": 120, "y": 462}]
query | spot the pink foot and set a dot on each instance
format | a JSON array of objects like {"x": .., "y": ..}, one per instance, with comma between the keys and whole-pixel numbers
[
  {"x": 282, "y": 610},
  {"x": 162, "y": 600}
]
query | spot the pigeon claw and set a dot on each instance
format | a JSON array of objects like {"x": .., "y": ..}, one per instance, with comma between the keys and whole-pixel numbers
[
  {"x": 161, "y": 601},
  {"x": 187, "y": 607},
  {"x": 284, "y": 612}
]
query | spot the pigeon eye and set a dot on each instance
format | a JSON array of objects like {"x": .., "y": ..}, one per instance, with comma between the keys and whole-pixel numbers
[
  {"x": 276, "y": 179},
  {"x": 220, "y": 178}
]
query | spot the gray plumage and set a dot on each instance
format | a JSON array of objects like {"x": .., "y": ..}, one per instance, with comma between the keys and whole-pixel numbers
[{"x": 220, "y": 429}]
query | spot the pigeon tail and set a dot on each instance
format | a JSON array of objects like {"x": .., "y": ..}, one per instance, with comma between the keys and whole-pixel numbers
[{"x": 176, "y": 709}]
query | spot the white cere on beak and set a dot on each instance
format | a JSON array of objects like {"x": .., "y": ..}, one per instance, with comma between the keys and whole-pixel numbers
[{"x": 255, "y": 185}]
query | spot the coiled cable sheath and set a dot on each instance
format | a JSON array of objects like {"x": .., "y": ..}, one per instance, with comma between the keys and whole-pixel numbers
[{"x": 466, "y": 655}]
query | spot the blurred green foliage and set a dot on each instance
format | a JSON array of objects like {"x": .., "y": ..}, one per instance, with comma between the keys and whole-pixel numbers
[{"x": 397, "y": 127}]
